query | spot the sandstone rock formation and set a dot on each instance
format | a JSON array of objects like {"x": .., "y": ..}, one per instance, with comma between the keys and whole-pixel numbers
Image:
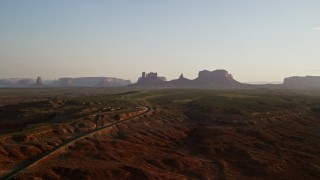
[
  {"x": 150, "y": 76},
  {"x": 25, "y": 82},
  {"x": 65, "y": 82},
  {"x": 110, "y": 82},
  {"x": 206, "y": 79},
  {"x": 217, "y": 78},
  {"x": 302, "y": 82},
  {"x": 182, "y": 82},
  {"x": 151, "y": 79},
  {"x": 16, "y": 82},
  {"x": 92, "y": 82},
  {"x": 38, "y": 82}
]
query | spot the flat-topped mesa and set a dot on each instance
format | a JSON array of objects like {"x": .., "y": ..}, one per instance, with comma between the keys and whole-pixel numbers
[
  {"x": 25, "y": 82},
  {"x": 150, "y": 79},
  {"x": 218, "y": 77},
  {"x": 110, "y": 82},
  {"x": 217, "y": 74},
  {"x": 302, "y": 82},
  {"x": 92, "y": 82},
  {"x": 65, "y": 82},
  {"x": 16, "y": 82}
]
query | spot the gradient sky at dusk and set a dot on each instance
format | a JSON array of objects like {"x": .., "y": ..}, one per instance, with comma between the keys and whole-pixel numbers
[{"x": 255, "y": 40}]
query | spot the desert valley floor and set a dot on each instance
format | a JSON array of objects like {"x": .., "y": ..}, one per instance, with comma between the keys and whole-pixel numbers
[{"x": 99, "y": 133}]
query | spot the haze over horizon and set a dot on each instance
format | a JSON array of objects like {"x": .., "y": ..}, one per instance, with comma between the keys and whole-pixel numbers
[{"x": 254, "y": 40}]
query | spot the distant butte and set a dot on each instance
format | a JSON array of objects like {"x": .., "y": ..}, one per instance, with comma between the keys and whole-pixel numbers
[
  {"x": 217, "y": 79},
  {"x": 206, "y": 79},
  {"x": 92, "y": 82},
  {"x": 296, "y": 82},
  {"x": 39, "y": 82},
  {"x": 150, "y": 80}
]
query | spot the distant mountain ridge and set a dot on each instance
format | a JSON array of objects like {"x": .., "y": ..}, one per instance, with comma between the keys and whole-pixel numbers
[
  {"x": 16, "y": 82},
  {"x": 217, "y": 79},
  {"x": 206, "y": 79},
  {"x": 65, "y": 82},
  {"x": 92, "y": 82},
  {"x": 221, "y": 79}
]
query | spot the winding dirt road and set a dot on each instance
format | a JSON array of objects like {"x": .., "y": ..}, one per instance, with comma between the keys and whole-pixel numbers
[{"x": 29, "y": 163}]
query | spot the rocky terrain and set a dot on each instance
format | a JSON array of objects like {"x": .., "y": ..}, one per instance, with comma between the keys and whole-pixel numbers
[{"x": 189, "y": 134}]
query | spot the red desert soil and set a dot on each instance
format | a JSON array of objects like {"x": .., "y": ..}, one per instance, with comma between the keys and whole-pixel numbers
[
  {"x": 186, "y": 138},
  {"x": 168, "y": 145}
]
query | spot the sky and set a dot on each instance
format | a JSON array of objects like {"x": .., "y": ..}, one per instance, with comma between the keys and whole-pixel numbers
[{"x": 254, "y": 40}]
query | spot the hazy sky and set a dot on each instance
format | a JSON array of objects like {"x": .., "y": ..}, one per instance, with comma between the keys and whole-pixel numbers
[{"x": 255, "y": 40}]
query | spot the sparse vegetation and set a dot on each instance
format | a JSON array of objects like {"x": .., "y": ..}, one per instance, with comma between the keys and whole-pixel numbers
[{"x": 201, "y": 134}]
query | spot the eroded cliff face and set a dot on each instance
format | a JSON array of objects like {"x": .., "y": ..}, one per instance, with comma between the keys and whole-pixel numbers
[
  {"x": 38, "y": 82},
  {"x": 107, "y": 82},
  {"x": 65, "y": 82},
  {"x": 302, "y": 82},
  {"x": 16, "y": 82},
  {"x": 217, "y": 78},
  {"x": 205, "y": 79},
  {"x": 93, "y": 82},
  {"x": 25, "y": 82}
]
